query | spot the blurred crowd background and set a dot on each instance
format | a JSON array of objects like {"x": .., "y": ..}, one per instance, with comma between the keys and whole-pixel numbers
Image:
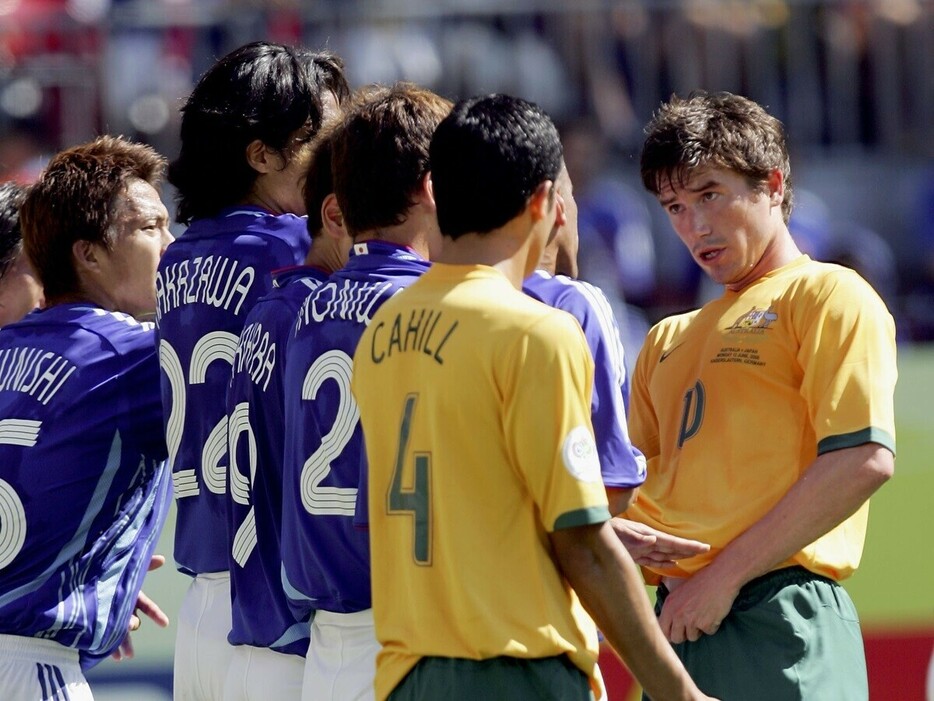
[{"x": 853, "y": 81}]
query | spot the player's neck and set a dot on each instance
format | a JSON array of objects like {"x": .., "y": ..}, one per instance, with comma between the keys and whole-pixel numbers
[{"x": 503, "y": 249}]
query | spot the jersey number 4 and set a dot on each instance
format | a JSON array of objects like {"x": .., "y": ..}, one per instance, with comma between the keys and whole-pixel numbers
[{"x": 413, "y": 501}]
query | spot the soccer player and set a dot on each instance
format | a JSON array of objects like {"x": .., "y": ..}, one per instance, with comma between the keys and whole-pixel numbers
[
  {"x": 380, "y": 166},
  {"x": 621, "y": 464},
  {"x": 20, "y": 291},
  {"x": 486, "y": 503},
  {"x": 269, "y": 658},
  {"x": 766, "y": 417},
  {"x": 83, "y": 476},
  {"x": 246, "y": 138}
]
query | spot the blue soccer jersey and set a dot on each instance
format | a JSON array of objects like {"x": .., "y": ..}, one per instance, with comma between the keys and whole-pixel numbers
[
  {"x": 325, "y": 551},
  {"x": 621, "y": 463},
  {"x": 208, "y": 280},
  {"x": 84, "y": 486},
  {"x": 256, "y": 431}
]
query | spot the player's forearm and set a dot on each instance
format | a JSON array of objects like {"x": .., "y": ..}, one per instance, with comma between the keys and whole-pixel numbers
[
  {"x": 610, "y": 588},
  {"x": 830, "y": 491}
]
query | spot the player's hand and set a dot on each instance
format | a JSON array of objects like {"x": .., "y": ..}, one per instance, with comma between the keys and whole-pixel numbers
[
  {"x": 147, "y": 607},
  {"x": 648, "y": 546},
  {"x": 697, "y": 606}
]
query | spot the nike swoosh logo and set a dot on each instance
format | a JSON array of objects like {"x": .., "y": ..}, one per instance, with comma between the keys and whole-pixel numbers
[{"x": 668, "y": 352}]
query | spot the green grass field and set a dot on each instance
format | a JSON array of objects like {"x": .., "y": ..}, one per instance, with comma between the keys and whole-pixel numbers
[{"x": 892, "y": 588}]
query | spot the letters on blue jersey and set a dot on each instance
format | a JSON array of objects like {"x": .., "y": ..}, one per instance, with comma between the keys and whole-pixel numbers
[
  {"x": 256, "y": 429},
  {"x": 208, "y": 280},
  {"x": 621, "y": 463},
  {"x": 84, "y": 485},
  {"x": 325, "y": 551}
]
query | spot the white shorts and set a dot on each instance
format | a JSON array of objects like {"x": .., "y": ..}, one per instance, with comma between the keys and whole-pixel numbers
[
  {"x": 341, "y": 661},
  {"x": 202, "y": 653},
  {"x": 259, "y": 674},
  {"x": 32, "y": 669}
]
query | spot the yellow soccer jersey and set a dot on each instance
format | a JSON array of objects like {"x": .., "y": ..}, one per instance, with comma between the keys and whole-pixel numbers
[
  {"x": 731, "y": 403},
  {"x": 475, "y": 406}
]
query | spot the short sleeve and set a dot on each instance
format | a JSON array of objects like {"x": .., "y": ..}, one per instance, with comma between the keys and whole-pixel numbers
[
  {"x": 848, "y": 356},
  {"x": 547, "y": 423}
]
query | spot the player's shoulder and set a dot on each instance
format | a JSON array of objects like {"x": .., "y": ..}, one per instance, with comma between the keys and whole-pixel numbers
[
  {"x": 122, "y": 332},
  {"x": 830, "y": 279},
  {"x": 663, "y": 332}
]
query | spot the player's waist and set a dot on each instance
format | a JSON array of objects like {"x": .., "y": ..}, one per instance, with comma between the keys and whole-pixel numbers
[
  {"x": 28, "y": 648},
  {"x": 756, "y": 589},
  {"x": 353, "y": 619}
]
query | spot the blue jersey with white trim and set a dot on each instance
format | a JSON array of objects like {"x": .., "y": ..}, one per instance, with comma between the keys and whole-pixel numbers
[
  {"x": 208, "y": 280},
  {"x": 325, "y": 548},
  {"x": 84, "y": 485},
  {"x": 256, "y": 433},
  {"x": 621, "y": 463}
]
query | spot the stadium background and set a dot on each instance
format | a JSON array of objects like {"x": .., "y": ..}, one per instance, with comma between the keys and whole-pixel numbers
[{"x": 851, "y": 79}]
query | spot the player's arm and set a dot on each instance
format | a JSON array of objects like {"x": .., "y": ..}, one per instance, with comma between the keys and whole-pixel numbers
[
  {"x": 833, "y": 487},
  {"x": 620, "y": 499},
  {"x": 610, "y": 588}
]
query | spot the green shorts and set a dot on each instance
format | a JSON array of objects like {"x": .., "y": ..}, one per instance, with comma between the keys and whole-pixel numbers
[
  {"x": 791, "y": 635},
  {"x": 495, "y": 679}
]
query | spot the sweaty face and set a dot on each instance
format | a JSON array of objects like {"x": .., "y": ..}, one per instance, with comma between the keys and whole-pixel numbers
[
  {"x": 140, "y": 236},
  {"x": 729, "y": 226}
]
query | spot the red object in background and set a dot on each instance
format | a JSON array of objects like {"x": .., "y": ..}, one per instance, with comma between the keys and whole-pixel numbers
[
  {"x": 898, "y": 663},
  {"x": 897, "y": 660}
]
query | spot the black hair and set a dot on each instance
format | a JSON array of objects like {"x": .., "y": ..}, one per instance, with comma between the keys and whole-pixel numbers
[
  {"x": 487, "y": 158},
  {"x": 260, "y": 91}
]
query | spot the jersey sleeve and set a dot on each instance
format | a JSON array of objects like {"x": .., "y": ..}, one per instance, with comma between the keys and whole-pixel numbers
[
  {"x": 621, "y": 464},
  {"x": 643, "y": 423},
  {"x": 547, "y": 424},
  {"x": 848, "y": 356}
]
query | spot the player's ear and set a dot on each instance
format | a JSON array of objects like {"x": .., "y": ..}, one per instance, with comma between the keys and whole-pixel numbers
[
  {"x": 542, "y": 200},
  {"x": 86, "y": 256},
  {"x": 776, "y": 187},
  {"x": 332, "y": 219},
  {"x": 425, "y": 194},
  {"x": 260, "y": 157}
]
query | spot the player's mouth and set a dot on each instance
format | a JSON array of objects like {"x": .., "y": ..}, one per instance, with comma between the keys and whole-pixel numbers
[{"x": 708, "y": 254}]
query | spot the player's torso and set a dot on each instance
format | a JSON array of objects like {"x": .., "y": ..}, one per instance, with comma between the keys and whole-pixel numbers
[
  {"x": 208, "y": 281},
  {"x": 438, "y": 368},
  {"x": 325, "y": 547},
  {"x": 80, "y": 460},
  {"x": 256, "y": 434}
]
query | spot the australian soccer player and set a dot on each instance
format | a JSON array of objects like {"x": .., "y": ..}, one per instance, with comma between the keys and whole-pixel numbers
[
  {"x": 269, "y": 659},
  {"x": 83, "y": 473},
  {"x": 381, "y": 179},
  {"x": 246, "y": 138},
  {"x": 486, "y": 502},
  {"x": 20, "y": 291},
  {"x": 766, "y": 417}
]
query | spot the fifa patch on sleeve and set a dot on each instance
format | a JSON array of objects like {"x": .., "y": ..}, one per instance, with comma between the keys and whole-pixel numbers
[{"x": 580, "y": 455}]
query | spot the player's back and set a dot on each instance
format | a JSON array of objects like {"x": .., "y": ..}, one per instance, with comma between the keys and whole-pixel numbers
[
  {"x": 465, "y": 431},
  {"x": 255, "y": 400},
  {"x": 622, "y": 464},
  {"x": 208, "y": 280},
  {"x": 325, "y": 545},
  {"x": 82, "y": 471}
]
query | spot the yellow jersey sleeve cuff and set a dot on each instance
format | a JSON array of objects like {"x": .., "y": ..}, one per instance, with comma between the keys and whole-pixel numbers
[
  {"x": 851, "y": 440},
  {"x": 582, "y": 517}
]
